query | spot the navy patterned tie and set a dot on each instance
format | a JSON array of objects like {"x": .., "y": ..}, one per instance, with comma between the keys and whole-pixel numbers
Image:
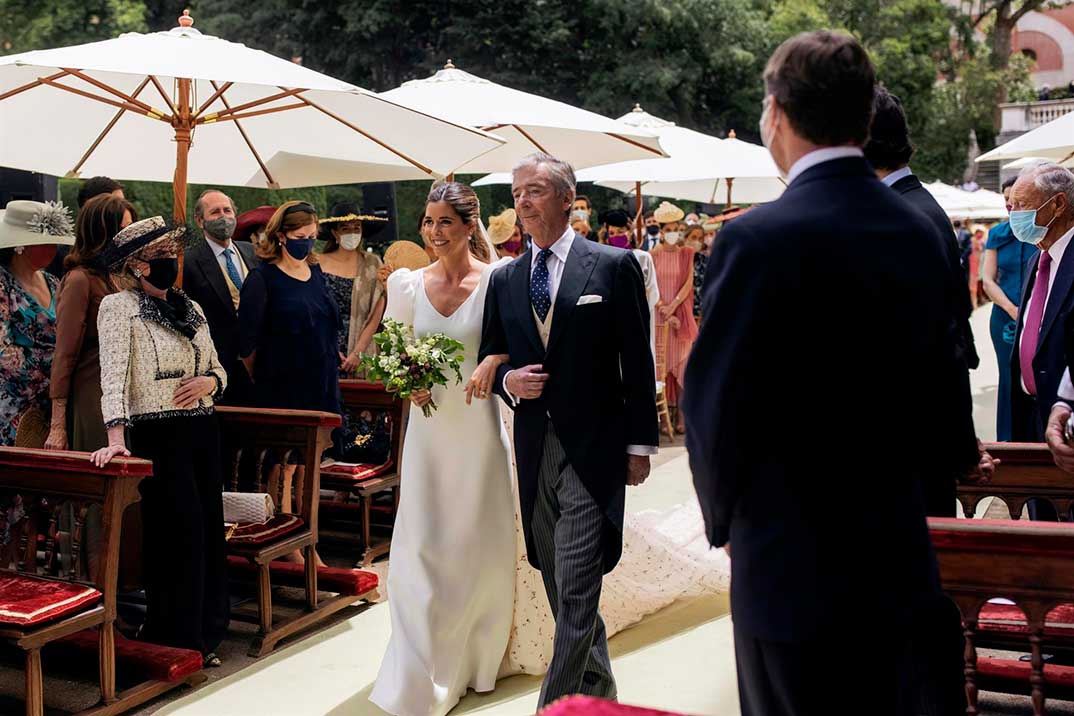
[
  {"x": 540, "y": 290},
  {"x": 231, "y": 268}
]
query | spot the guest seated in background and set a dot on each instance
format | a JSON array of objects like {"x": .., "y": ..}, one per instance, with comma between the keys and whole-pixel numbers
[
  {"x": 351, "y": 273},
  {"x": 250, "y": 227},
  {"x": 213, "y": 273},
  {"x": 505, "y": 231},
  {"x": 94, "y": 186},
  {"x": 160, "y": 378},
  {"x": 29, "y": 234},
  {"x": 289, "y": 325}
]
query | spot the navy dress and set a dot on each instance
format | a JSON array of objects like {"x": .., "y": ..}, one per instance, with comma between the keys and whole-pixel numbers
[
  {"x": 294, "y": 327},
  {"x": 1012, "y": 257}
]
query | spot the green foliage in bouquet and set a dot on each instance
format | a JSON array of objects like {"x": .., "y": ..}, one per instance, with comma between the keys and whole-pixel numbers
[{"x": 405, "y": 364}]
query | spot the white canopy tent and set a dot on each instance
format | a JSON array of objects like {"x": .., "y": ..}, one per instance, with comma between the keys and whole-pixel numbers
[
  {"x": 1053, "y": 141},
  {"x": 960, "y": 204},
  {"x": 181, "y": 106},
  {"x": 528, "y": 122}
]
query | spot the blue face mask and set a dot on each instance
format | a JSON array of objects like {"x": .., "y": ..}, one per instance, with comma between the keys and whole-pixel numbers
[
  {"x": 299, "y": 248},
  {"x": 1024, "y": 225}
]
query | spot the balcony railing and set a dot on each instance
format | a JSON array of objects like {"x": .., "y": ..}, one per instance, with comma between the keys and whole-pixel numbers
[{"x": 1023, "y": 116}]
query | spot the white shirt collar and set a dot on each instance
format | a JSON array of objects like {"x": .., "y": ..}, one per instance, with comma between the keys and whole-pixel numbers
[
  {"x": 218, "y": 250},
  {"x": 1059, "y": 247},
  {"x": 819, "y": 156},
  {"x": 896, "y": 175},
  {"x": 561, "y": 249}
]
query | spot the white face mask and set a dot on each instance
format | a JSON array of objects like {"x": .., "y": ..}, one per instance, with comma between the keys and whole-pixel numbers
[
  {"x": 672, "y": 237},
  {"x": 350, "y": 242}
]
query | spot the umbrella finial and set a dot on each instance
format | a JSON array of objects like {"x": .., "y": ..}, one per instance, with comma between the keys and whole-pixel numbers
[
  {"x": 731, "y": 134},
  {"x": 449, "y": 65},
  {"x": 637, "y": 107},
  {"x": 185, "y": 20}
]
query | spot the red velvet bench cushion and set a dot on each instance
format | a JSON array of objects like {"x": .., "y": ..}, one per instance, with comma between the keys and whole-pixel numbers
[
  {"x": 138, "y": 658},
  {"x": 355, "y": 472},
  {"x": 1010, "y": 619},
  {"x": 259, "y": 533},
  {"x": 589, "y": 706},
  {"x": 1058, "y": 680},
  {"x": 350, "y": 582},
  {"x": 29, "y": 601}
]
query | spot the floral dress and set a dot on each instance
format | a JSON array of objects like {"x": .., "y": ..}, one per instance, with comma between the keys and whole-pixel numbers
[{"x": 27, "y": 341}]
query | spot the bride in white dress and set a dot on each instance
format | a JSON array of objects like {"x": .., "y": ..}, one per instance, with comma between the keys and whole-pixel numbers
[{"x": 466, "y": 606}]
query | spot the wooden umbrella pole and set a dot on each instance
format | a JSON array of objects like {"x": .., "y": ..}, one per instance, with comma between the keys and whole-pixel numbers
[
  {"x": 183, "y": 124},
  {"x": 639, "y": 228},
  {"x": 729, "y": 183}
]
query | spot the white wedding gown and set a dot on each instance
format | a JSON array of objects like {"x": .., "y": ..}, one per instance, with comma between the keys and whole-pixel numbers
[{"x": 466, "y": 606}]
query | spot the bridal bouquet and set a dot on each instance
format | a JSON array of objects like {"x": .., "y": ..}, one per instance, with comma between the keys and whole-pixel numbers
[{"x": 405, "y": 364}]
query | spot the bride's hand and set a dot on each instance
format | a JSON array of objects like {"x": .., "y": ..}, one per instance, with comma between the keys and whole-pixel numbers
[
  {"x": 480, "y": 383},
  {"x": 421, "y": 398}
]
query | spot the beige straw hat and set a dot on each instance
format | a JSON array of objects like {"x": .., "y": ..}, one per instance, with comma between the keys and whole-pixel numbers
[
  {"x": 502, "y": 226},
  {"x": 30, "y": 223},
  {"x": 406, "y": 254},
  {"x": 667, "y": 212}
]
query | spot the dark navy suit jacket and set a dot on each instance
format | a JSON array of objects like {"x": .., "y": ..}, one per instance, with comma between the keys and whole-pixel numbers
[{"x": 824, "y": 376}]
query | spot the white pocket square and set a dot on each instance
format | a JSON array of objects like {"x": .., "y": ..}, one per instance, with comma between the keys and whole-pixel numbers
[{"x": 591, "y": 298}]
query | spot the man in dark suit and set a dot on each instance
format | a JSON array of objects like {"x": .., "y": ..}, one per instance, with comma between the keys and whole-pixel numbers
[
  {"x": 937, "y": 643},
  {"x": 213, "y": 273},
  {"x": 572, "y": 317},
  {"x": 827, "y": 349},
  {"x": 1039, "y": 357}
]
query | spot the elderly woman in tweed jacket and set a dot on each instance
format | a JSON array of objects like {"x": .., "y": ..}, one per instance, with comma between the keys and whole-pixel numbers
[{"x": 160, "y": 377}]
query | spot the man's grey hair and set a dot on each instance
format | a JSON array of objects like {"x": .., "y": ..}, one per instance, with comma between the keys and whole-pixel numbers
[
  {"x": 1050, "y": 179},
  {"x": 199, "y": 205},
  {"x": 560, "y": 173}
]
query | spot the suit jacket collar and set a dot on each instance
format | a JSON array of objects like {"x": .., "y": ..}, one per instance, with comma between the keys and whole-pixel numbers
[
  {"x": 576, "y": 273},
  {"x": 519, "y": 281},
  {"x": 907, "y": 184},
  {"x": 1058, "y": 292},
  {"x": 206, "y": 262},
  {"x": 847, "y": 166}
]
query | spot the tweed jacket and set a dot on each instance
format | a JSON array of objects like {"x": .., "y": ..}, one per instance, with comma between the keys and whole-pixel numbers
[{"x": 143, "y": 362}]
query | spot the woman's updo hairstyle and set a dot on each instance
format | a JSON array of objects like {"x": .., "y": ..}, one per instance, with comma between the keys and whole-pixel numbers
[{"x": 463, "y": 199}]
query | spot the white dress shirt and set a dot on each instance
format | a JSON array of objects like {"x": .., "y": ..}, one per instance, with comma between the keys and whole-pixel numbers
[
  {"x": 819, "y": 156},
  {"x": 1056, "y": 252},
  {"x": 218, "y": 252},
  {"x": 561, "y": 249},
  {"x": 896, "y": 175}
]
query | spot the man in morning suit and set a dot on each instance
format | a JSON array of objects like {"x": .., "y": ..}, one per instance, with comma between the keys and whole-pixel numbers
[
  {"x": 573, "y": 318},
  {"x": 827, "y": 348},
  {"x": 213, "y": 273}
]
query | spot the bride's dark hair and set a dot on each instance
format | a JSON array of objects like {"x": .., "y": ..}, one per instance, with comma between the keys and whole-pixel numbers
[{"x": 463, "y": 199}]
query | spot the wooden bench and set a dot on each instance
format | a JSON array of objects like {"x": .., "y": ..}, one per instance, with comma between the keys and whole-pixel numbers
[
  {"x": 1028, "y": 563},
  {"x": 48, "y": 606},
  {"x": 1027, "y": 471},
  {"x": 272, "y": 437},
  {"x": 374, "y": 489}
]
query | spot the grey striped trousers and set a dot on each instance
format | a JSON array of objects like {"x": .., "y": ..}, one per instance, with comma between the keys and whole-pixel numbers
[{"x": 567, "y": 525}]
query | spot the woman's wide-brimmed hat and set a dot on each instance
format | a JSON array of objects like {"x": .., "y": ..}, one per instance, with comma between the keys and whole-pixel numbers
[
  {"x": 502, "y": 226},
  {"x": 350, "y": 211},
  {"x": 247, "y": 221},
  {"x": 667, "y": 212},
  {"x": 143, "y": 235},
  {"x": 406, "y": 254},
  {"x": 31, "y": 223}
]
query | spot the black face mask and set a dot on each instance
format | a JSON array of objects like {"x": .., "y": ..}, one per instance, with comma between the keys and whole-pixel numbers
[
  {"x": 162, "y": 273},
  {"x": 652, "y": 230}
]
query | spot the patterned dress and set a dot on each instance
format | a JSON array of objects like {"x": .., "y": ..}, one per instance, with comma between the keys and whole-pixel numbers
[
  {"x": 673, "y": 269},
  {"x": 27, "y": 341}
]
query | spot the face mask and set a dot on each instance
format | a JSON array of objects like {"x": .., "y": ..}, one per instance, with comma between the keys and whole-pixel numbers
[
  {"x": 40, "y": 255},
  {"x": 1024, "y": 225},
  {"x": 350, "y": 242},
  {"x": 162, "y": 273},
  {"x": 672, "y": 237},
  {"x": 299, "y": 248},
  {"x": 709, "y": 238},
  {"x": 652, "y": 230},
  {"x": 579, "y": 215},
  {"x": 621, "y": 241},
  {"x": 511, "y": 246},
  {"x": 220, "y": 229}
]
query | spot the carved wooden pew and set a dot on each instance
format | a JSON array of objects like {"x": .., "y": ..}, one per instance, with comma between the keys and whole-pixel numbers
[
  {"x": 374, "y": 488},
  {"x": 1026, "y": 471},
  {"x": 42, "y": 604},
  {"x": 272, "y": 437},
  {"x": 1029, "y": 563}
]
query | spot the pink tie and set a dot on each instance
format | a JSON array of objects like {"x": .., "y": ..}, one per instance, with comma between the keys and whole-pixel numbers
[{"x": 1031, "y": 327}]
